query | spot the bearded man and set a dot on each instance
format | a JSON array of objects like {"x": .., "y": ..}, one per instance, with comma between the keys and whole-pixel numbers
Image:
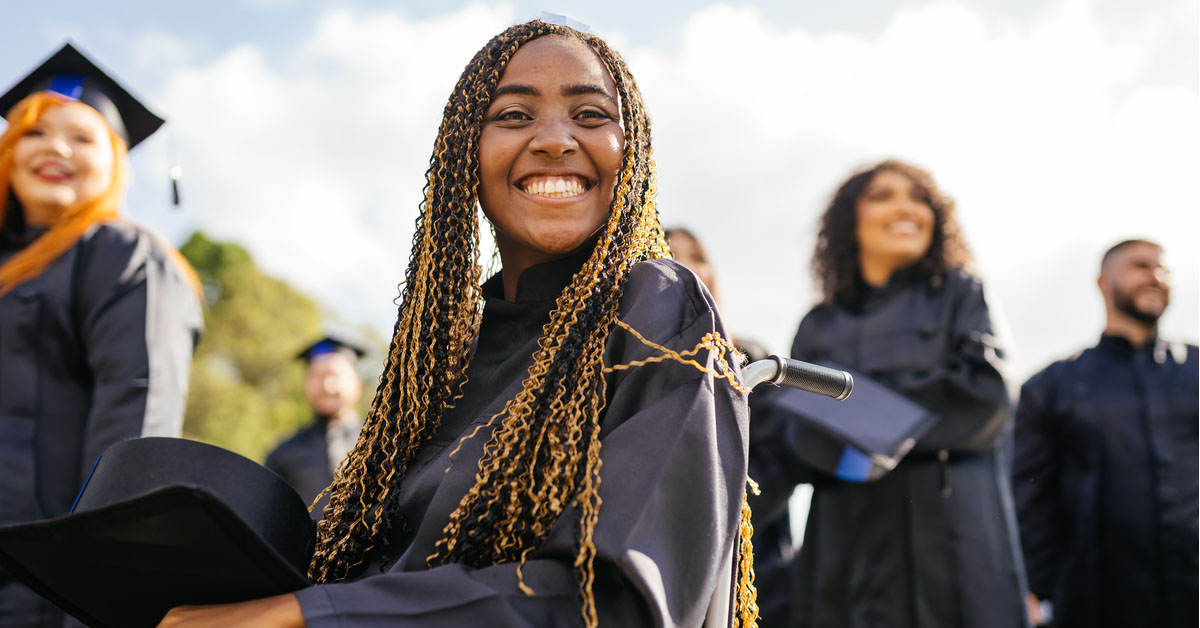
[{"x": 1105, "y": 464}]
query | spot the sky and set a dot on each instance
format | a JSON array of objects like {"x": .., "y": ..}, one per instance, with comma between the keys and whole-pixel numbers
[{"x": 304, "y": 128}]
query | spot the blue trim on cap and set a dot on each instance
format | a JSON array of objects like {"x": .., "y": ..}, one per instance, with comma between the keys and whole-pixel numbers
[
  {"x": 855, "y": 466},
  {"x": 69, "y": 85},
  {"x": 85, "y": 483},
  {"x": 321, "y": 348}
]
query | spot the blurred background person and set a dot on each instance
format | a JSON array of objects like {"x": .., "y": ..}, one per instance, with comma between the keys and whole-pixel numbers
[
  {"x": 931, "y": 543},
  {"x": 1105, "y": 464},
  {"x": 686, "y": 248},
  {"x": 98, "y": 318},
  {"x": 773, "y": 552},
  {"x": 308, "y": 459}
]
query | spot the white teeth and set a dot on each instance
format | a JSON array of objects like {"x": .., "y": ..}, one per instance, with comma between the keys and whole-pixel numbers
[{"x": 554, "y": 187}]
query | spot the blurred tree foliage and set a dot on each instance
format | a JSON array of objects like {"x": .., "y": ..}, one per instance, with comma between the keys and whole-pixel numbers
[{"x": 247, "y": 388}]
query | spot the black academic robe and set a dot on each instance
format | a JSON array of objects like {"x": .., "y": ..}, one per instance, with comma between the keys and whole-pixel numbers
[
  {"x": 932, "y": 544},
  {"x": 303, "y": 461},
  {"x": 94, "y": 350},
  {"x": 774, "y": 556},
  {"x": 1105, "y": 477},
  {"x": 673, "y": 476}
]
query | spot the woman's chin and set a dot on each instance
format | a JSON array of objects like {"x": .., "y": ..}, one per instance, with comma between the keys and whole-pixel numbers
[{"x": 561, "y": 246}]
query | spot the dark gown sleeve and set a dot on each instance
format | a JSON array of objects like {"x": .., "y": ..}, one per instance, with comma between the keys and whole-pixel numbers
[
  {"x": 1035, "y": 476},
  {"x": 966, "y": 388},
  {"x": 963, "y": 385},
  {"x": 139, "y": 320},
  {"x": 673, "y": 476}
]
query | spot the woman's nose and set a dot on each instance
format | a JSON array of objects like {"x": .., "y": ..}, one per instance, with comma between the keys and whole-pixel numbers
[
  {"x": 58, "y": 144},
  {"x": 553, "y": 138}
]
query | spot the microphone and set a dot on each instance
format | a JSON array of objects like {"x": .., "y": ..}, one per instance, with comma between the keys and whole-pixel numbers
[{"x": 813, "y": 378}]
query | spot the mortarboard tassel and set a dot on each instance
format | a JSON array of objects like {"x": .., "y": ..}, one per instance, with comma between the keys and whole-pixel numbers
[{"x": 176, "y": 173}]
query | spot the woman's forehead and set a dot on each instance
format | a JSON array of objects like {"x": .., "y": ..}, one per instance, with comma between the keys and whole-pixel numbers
[
  {"x": 74, "y": 114},
  {"x": 556, "y": 59}
]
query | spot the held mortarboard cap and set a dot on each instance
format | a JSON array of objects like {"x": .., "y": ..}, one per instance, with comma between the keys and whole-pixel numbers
[
  {"x": 164, "y": 522},
  {"x": 327, "y": 345},
  {"x": 69, "y": 73}
]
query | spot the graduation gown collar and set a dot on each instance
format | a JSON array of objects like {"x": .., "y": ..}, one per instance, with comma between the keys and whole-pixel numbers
[
  {"x": 1120, "y": 345},
  {"x": 869, "y": 296},
  {"x": 15, "y": 234},
  {"x": 541, "y": 282}
]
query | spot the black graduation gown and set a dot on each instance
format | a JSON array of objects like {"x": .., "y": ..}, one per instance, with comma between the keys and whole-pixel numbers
[
  {"x": 774, "y": 556},
  {"x": 1105, "y": 477},
  {"x": 932, "y": 544},
  {"x": 303, "y": 461},
  {"x": 94, "y": 350},
  {"x": 673, "y": 476}
]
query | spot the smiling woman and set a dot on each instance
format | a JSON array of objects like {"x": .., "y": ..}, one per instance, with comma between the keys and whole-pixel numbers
[
  {"x": 98, "y": 318},
  {"x": 931, "y": 543},
  {"x": 564, "y": 442}
]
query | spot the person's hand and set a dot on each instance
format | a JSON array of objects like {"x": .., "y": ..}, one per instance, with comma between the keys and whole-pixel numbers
[
  {"x": 1035, "y": 609},
  {"x": 280, "y": 611}
]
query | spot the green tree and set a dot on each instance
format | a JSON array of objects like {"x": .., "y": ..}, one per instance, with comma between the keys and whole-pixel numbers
[{"x": 247, "y": 388}]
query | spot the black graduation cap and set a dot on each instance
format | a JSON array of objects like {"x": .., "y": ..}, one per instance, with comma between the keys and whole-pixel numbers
[
  {"x": 163, "y": 522},
  {"x": 70, "y": 73},
  {"x": 858, "y": 439},
  {"x": 329, "y": 344}
]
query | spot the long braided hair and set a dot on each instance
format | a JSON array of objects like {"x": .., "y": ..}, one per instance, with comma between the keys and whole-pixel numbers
[{"x": 543, "y": 456}]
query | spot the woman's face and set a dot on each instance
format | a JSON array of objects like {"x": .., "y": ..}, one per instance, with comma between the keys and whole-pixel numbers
[
  {"x": 549, "y": 152},
  {"x": 894, "y": 221},
  {"x": 686, "y": 250},
  {"x": 65, "y": 158}
]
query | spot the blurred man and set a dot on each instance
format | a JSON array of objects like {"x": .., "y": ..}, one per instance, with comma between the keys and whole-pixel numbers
[
  {"x": 1105, "y": 469},
  {"x": 308, "y": 459}
]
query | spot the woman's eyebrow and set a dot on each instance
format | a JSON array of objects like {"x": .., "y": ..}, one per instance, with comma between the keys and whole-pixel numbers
[
  {"x": 569, "y": 90},
  {"x": 524, "y": 90},
  {"x": 587, "y": 88}
]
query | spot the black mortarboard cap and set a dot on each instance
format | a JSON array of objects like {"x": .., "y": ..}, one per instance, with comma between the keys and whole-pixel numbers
[
  {"x": 329, "y": 344},
  {"x": 858, "y": 439},
  {"x": 70, "y": 73},
  {"x": 164, "y": 522}
]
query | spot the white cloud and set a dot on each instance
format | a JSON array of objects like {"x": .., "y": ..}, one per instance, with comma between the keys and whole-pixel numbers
[
  {"x": 315, "y": 159},
  {"x": 1047, "y": 132},
  {"x": 1059, "y": 135}
]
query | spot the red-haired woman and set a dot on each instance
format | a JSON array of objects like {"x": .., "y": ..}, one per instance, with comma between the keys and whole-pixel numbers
[{"x": 97, "y": 318}]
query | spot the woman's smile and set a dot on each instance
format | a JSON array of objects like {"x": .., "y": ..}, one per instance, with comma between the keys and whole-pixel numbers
[{"x": 554, "y": 187}]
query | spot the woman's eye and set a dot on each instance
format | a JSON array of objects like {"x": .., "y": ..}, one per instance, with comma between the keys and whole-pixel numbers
[
  {"x": 84, "y": 139},
  {"x": 594, "y": 115},
  {"x": 34, "y": 132},
  {"x": 511, "y": 115}
]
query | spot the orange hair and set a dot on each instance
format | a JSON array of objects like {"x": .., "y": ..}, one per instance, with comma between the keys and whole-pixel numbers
[{"x": 75, "y": 220}]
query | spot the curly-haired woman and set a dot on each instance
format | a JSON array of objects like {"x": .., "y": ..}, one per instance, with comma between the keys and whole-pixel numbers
[
  {"x": 931, "y": 544},
  {"x": 542, "y": 449}
]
